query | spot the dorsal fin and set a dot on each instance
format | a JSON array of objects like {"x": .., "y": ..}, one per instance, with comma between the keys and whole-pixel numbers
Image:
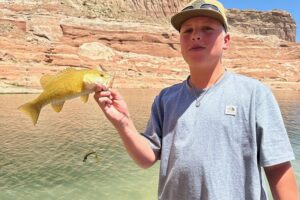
[
  {"x": 46, "y": 79},
  {"x": 69, "y": 69}
]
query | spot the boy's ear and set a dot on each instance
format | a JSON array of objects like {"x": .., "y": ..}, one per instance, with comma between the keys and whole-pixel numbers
[{"x": 226, "y": 41}]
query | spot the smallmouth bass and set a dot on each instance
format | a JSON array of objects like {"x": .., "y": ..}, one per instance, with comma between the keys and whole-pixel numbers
[{"x": 65, "y": 85}]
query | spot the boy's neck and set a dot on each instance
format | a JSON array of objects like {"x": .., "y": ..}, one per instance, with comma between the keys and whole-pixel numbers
[{"x": 201, "y": 79}]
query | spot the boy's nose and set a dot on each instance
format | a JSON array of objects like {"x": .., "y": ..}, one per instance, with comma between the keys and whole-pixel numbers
[{"x": 196, "y": 35}]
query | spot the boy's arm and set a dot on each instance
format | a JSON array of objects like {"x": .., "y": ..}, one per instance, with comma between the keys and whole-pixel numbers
[
  {"x": 282, "y": 181},
  {"x": 136, "y": 145},
  {"x": 115, "y": 109}
]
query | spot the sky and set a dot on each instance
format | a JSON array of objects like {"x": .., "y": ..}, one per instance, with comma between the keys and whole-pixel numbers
[{"x": 292, "y": 6}]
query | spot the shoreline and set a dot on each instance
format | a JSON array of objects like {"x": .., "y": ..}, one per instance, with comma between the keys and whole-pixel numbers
[{"x": 275, "y": 86}]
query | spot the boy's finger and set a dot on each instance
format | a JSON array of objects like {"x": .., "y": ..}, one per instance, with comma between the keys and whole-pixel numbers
[
  {"x": 105, "y": 93},
  {"x": 115, "y": 94},
  {"x": 104, "y": 100},
  {"x": 100, "y": 88}
]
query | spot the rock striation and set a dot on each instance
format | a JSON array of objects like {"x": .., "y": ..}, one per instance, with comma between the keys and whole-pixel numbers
[
  {"x": 39, "y": 37},
  {"x": 275, "y": 22}
]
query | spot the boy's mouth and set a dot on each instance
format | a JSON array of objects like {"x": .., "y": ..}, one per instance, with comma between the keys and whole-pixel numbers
[{"x": 196, "y": 47}]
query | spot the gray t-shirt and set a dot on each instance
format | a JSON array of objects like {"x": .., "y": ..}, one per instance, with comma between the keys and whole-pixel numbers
[{"x": 216, "y": 151}]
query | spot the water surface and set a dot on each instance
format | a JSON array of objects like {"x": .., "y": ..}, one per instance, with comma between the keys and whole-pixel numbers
[{"x": 46, "y": 161}]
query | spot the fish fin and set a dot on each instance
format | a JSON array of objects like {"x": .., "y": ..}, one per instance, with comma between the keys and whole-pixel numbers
[
  {"x": 84, "y": 98},
  {"x": 57, "y": 107},
  {"x": 46, "y": 79},
  {"x": 32, "y": 110},
  {"x": 68, "y": 69}
]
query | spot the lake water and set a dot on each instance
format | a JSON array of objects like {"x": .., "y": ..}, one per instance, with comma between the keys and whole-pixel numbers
[{"x": 46, "y": 161}]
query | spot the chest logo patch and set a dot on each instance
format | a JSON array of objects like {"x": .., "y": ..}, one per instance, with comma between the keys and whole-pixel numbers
[{"x": 230, "y": 110}]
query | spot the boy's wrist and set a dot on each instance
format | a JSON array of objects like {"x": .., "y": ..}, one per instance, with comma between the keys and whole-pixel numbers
[{"x": 124, "y": 123}]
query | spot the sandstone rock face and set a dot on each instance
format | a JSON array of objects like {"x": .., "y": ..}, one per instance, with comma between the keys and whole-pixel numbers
[
  {"x": 275, "y": 22},
  {"x": 96, "y": 51},
  {"x": 39, "y": 37}
]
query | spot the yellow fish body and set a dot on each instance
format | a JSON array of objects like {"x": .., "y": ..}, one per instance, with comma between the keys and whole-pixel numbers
[{"x": 65, "y": 85}]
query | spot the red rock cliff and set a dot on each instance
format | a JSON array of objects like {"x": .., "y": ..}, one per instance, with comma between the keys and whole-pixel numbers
[{"x": 133, "y": 39}]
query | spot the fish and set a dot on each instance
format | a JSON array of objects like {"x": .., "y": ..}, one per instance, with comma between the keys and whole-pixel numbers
[{"x": 67, "y": 84}]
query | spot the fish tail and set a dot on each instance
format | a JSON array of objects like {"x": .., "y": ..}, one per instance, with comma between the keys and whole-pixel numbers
[{"x": 32, "y": 110}]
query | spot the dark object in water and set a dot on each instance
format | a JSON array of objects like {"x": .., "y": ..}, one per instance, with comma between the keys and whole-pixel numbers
[{"x": 90, "y": 153}]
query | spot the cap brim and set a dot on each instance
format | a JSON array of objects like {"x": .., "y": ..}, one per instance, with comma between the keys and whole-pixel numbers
[{"x": 178, "y": 19}]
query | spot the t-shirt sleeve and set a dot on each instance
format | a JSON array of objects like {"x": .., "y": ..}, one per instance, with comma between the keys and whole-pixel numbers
[
  {"x": 153, "y": 131},
  {"x": 273, "y": 141}
]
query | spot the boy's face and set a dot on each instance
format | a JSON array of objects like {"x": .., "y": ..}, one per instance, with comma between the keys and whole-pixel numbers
[{"x": 203, "y": 40}]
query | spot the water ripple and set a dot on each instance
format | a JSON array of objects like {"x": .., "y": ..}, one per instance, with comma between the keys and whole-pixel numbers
[{"x": 45, "y": 161}]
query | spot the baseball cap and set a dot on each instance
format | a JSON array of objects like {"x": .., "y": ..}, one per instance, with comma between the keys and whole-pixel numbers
[{"x": 208, "y": 8}]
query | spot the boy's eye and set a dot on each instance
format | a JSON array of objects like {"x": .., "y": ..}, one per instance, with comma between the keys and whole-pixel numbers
[
  {"x": 207, "y": 29},
  {"x": 188, "y": 30}
]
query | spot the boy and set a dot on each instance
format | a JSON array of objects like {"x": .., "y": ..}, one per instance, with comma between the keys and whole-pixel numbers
[{"x": 214, "y": 131}]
